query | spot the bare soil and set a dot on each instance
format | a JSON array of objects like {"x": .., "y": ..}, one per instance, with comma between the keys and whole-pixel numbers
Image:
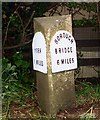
[{"x": 31, "y": 110}]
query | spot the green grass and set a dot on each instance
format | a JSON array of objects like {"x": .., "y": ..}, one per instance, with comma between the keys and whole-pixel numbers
[
  {"x": 17, "y": 82},
  {"x": 87, "y": 92}
]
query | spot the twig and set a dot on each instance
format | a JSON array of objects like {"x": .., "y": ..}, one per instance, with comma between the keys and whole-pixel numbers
[
  {"x": 23, "y": 40},
  {"x": 76, "y": 11},
  {"x": 23, "y": 31},
  {"x": 20, "y": 19},
  {"x": 8, "y": 107},
  {"x": 98, "y": 13},
  {"x": 52, "y": 12},
  {"x": 9, "y": 24},
  {"x": 6, "y": 32},
  {"x": 62, "y": 7},
  {"x": 91, "y": 111},
  {"x": 95, "y": 69},
  {"x": 81, "y": 13},
  {"x": 88, "y": 113},
  {"x": 17, "y": 46}
]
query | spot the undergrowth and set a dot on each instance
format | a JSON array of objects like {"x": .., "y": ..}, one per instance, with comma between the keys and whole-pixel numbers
[
  {"x": 17, "y": 82},
  {"x": 87, "y": 92},
  {"x": 18, "y": 85}
]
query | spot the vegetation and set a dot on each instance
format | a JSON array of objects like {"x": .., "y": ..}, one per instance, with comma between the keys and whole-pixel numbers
[
  {"x": 18, "y": 19},
  {"x": 86, "y": 91},
  {"x": 18, "y": 83}
]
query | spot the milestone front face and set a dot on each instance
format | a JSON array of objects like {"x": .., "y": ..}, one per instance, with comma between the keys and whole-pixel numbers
[{"x": 63, "y": 52}]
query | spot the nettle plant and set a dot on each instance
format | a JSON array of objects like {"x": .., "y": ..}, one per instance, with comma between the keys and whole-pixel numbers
[
  {"x": 22, "y": 67},
  {"x": 9, "y": 77},
  {"x": 16, "y": 75},
  {"x": 17, "y": 82}
]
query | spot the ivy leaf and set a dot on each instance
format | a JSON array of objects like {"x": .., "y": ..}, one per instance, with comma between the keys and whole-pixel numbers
[{"x": 4, "y": 16}]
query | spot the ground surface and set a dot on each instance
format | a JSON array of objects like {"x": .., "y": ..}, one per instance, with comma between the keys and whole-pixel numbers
[{"x": 31, "y": 110}]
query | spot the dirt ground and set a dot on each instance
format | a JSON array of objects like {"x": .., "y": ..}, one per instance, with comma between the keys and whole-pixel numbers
[{"x": 31, "y": 111}]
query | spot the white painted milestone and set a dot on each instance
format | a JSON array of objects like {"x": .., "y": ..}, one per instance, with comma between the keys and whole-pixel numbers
[
  {"x": 63, "y": 51},
  {"x": 39, "y": 53}
]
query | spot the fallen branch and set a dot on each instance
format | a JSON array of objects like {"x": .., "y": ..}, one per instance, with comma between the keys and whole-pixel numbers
[{"x": 17, "y": 46}]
